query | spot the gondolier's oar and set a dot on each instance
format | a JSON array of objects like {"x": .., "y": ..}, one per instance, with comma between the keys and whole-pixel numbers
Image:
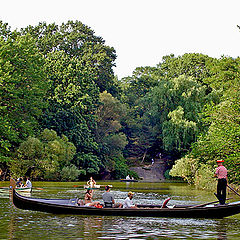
[
  {"x": 233, "y": 190},
  {"x": 204, "y": 204}
]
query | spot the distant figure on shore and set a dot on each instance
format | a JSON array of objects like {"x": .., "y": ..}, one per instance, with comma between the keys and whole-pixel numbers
[
  {"x": 91, "y": 183},
  {"x": 221, "y": 174},
  {"x": 152, "y": 161}
]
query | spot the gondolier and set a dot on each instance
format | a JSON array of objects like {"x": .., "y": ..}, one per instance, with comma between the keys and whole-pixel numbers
[{"x": 221, "y": 174}]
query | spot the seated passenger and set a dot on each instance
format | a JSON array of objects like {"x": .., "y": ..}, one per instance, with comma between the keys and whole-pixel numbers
[
  {"x": 128, "y": 203},
  {"x": 108, "y": 199},
  {"x": 88, "y": 198}
]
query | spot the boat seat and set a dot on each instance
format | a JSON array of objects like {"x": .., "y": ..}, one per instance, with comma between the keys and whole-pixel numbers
[
  {"x": 108, "y": 205},
  {"x": 164, "y": 205}
]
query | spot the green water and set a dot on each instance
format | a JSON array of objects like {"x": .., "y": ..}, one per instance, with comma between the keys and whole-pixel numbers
[{"x": 23, "y": 224}]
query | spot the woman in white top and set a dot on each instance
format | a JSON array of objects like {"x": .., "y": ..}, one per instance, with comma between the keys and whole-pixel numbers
[{"x": 128, "y": 203}]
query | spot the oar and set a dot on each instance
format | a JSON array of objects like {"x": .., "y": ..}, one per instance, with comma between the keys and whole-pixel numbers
[
  {"x": 233, "y": 190},
  {"x": 204, "y": 204},
  {"x": 38, "y": 188},
  {"x": 75, "y": 186}
]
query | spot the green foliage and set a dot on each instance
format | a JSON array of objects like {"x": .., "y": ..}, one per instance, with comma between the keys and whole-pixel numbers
[
  {"x": 88, "y": 162},
  {"x": 22, "y": 89},
  {"x": 78, "y": 41},
  {"x": 43, "y": 157},
  {"x": 71, "y": 173},
  {"x": 178, "y": 133},
  {"x": 156, "y": 95},
  {"x": 193, "y": 65},
  {"x": 108, "y": 118},
  {"x": 221, "y": 140},
  {"x": 122, "y": 169},
  {"x": 204, "y": 177},
  {"x": 185, "y": 168}
]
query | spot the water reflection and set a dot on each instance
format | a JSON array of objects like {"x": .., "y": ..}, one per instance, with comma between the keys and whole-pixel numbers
[
  {"x": 221, "y": 228},
  {"x": 91, "y": 227},
  {"x": 19, "y": 224}
]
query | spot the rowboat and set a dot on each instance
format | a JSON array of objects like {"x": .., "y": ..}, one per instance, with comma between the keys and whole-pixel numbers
[
  {"x": 128, "y": 180},
  {"x": 93, "y": 187},
  {"x": 18, "y": 189},
  {"x": 69, "y": 206}
]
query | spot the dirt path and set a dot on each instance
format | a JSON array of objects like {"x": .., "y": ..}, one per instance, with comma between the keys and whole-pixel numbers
[{"x": 152, "y": 173}]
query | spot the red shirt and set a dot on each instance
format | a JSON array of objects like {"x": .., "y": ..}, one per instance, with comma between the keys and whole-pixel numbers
[{"x": 221, "y": 172}]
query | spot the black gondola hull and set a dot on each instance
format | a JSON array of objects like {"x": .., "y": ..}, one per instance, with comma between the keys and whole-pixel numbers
[{"x": 68, "y": 206}]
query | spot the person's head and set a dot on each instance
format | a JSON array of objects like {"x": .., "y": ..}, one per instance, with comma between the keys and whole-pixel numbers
[
  {"x": 220, "y": 162},
  {"x": 107, "y": 188},
  {"x": 89, "y": 190},
  {"x": 130, "y": 195}
]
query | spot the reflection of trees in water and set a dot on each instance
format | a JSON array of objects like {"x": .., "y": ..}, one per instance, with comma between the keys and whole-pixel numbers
[
  {"x": 221, "y": 229},
  {"x": 92, "y": 227}
]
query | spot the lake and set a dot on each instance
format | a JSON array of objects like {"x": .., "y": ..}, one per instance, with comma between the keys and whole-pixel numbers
[{"x": 23, "y": 224}]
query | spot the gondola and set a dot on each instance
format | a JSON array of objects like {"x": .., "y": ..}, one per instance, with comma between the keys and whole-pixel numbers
[{"x": 69, "y": 206}]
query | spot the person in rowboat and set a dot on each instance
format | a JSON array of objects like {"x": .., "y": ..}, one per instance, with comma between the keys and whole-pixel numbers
[
  {"x": 91, "y": 183},
  {"x": 128, "y": 203},
  {"x": 19, "y": 183},
  {"x": 221, "y": 174},
  {"x": 28, "y": 183}
]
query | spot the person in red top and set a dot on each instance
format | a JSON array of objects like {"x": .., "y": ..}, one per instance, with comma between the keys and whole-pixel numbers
[{"x": 221, "y": 174}]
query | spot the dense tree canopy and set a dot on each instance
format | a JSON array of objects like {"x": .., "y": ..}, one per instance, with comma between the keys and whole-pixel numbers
[
  {"x": 23, "y": 85},
  {"x": 65, "y": 116}
]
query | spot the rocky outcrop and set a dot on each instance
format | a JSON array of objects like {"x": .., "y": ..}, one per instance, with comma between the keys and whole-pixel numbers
[{"x": 152, "y": 173}]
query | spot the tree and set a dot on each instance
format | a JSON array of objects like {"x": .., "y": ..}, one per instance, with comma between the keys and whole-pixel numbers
[
  {"x": 108, "y": 130},
  {"x": 221, "y": 138},
  {"x": 23, "y": 86},
  {"x": 78, "y": 41},
  {"x": 79, "y": 66},
  {"x": 44, "y": 157}
]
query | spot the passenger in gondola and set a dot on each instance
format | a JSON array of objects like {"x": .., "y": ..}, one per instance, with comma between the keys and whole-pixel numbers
[
  {"x": 108, "y": 199},
  {"x": 88, "y": 198},
  {"x": 128, "y": 203}
]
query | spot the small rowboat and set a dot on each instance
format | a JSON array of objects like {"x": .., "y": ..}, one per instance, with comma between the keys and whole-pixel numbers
[
  {"x": 128, "y": 180},
  {"x": 19, "y": 189},
  {"x": 94, "y": 186},
  {"x": 69, "y": 206}
]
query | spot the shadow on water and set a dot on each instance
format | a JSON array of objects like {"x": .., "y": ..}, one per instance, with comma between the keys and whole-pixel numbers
[{"x": 19, "y": 224}]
